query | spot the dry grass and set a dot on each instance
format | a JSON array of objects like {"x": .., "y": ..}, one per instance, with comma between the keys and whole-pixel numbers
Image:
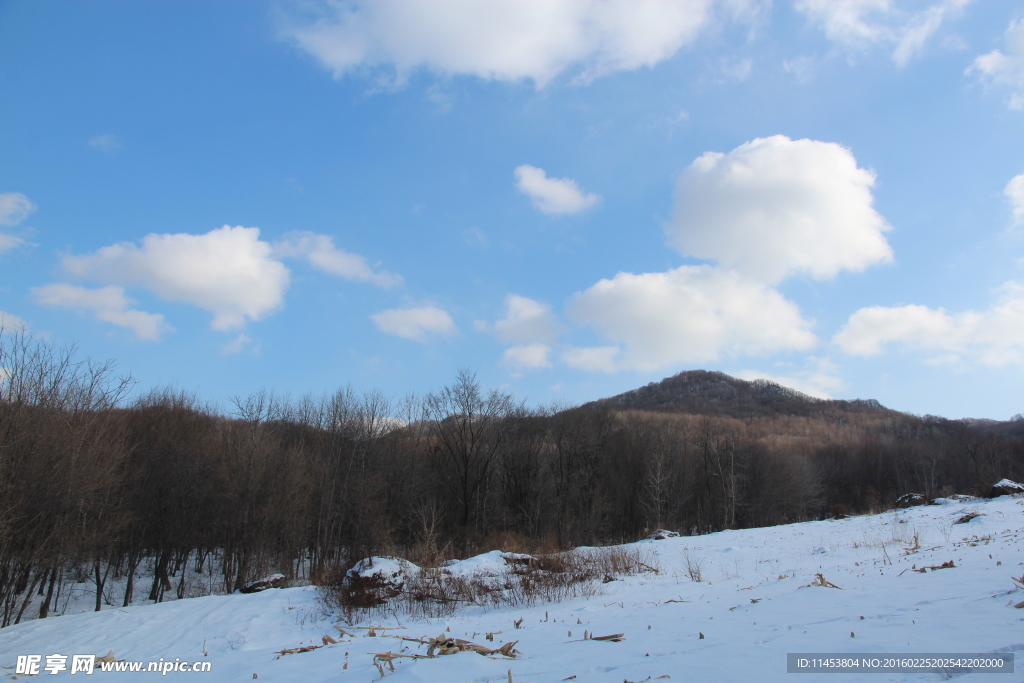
[{"x": 434, "y": 593}]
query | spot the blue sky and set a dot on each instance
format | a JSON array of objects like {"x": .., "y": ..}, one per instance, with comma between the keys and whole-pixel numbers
[{"x": 571, "y": 197}]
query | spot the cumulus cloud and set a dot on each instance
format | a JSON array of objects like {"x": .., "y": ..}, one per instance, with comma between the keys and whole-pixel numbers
[
  {"x": 1005, "y": 69},
  {"x": 109, "y": 304},
  {"x": 862, "y": 24},
  {"x": 14, "y": 208},
  {"x": 321, "y": 253},
  {"x": 552, "y": 195},
  {"x": 526, "y": 321},
  {"x": 1014, "y": 192},
  {"x": 689, "y": 314},
  {"x": 993, "y": 337},
  {"x": 229, "y": 272},
  {"x": 505, "y": 40},
  {"x": 592, "y": 358},
  {"x": 769, "y": 209},
  {"x": 527, "y": 356},
  {"x": 530, "y": 327},
  {"x": 416, "y": 323},
  {"x": 775, "y": 207},
  {"x": 10, "y": 322}
]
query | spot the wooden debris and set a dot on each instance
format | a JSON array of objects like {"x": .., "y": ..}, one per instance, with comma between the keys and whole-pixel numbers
[
  {"x": 297, "y": 650},
  {"x": 701, "y": 636},
  {"x": 968, "y": 517},
  {"x": 614, "y": 638},
  {"x": 329, "y": 639},
  {"x": 371, "y": 628},
  {"x": 1019, "y": 605},
  {"x": 443, "y": 645},
  {"x": 647, "y": 567},
  {"x": 945, "y": 565},
  {"x": 820, "y": 580}
]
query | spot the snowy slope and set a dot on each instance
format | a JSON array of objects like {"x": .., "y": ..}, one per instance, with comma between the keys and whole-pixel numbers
[{"x": 754, "y": 605}]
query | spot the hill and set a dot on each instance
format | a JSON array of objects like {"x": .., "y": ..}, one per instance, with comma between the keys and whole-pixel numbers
[{"x": 701, "y": 392}]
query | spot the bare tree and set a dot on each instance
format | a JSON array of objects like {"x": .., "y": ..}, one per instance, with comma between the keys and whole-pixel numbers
[{"x": 468, "y": 427}]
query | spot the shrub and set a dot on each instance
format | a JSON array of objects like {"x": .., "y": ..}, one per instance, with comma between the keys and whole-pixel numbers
[{"x": 435, "y": 592}]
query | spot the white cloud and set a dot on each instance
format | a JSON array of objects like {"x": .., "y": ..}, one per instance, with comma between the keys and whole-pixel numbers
[
  {"x": 108, "y": 142},
  {"x": 862, "y": 24},
  {"x": 592, "y": 358},
  {"x": 14, "y": 208},
  {"x": 239, "y": 344},
  {"x": 802, "y": 68},
  {"x": 736, "y": 70},
  {"x": 774, "y": 207},
  {"x": 1005, "y": 68},
  {"x": 8, "y": 242},
  {"x": 1014, "y": 191},
  {"x": 552, "y": 195},
  {"x": 689, "y": 314},
  {"x": 229, "y": 272},
  {"x": 526, "y": 321},
  {"x": 531, "y": 327},
  {"x": 993, "y": 337},
  {"x": 108, "y": 304},
  {"x": 417, "y": 323},
  {"x": 506, "y": 40},
  {"x": 11, "y": 323},
  {"x": 321, "y": 253},
  {"x": 527, "y": 356}
]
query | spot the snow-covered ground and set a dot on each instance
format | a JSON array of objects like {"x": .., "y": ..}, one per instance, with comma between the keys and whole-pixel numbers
[{"x": 756, "y": 602}]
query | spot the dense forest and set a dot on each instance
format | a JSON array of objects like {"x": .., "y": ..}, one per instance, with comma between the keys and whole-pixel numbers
[{"x": 97, "y": 479}]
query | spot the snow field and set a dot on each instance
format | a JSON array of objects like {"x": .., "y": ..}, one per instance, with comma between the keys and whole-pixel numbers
[{"x": 756, "y": 603}]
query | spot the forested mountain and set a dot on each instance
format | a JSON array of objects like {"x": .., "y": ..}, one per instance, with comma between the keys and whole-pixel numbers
[{"x": 700, "y": 392}]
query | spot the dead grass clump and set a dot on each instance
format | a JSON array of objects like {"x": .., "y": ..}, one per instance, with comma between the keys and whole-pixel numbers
[
  {"x": 436, "y": 593},
  {"x": 694, "y": 565},
  {"x": 348, "y": 593}
]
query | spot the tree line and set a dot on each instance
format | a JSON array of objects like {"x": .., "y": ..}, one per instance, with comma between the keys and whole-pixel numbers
[{"x": 96, "y": 482}]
